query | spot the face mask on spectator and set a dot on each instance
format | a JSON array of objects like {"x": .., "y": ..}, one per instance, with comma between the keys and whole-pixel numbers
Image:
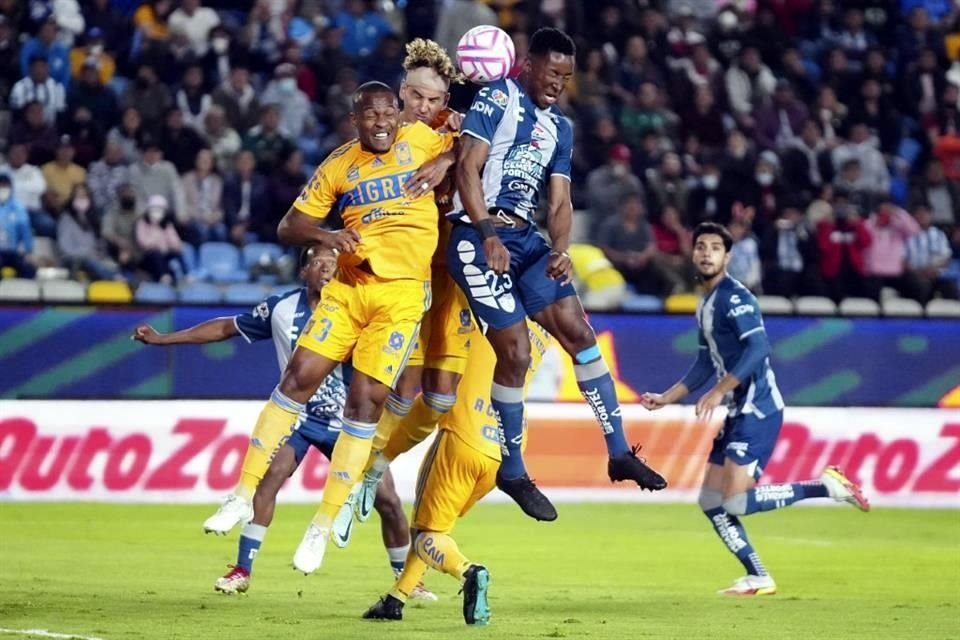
[
  {"x": 4, "y": 194},
  {"x": 155, "y": 214},
  {"x": 81, "y": 205},
  {"x": 619, "y": 170},
  {"x": 288, "y": 85},
  {"x": 711, "y": 181},
  {"x": 764, "y": 179},
  {"x": 96, "y": 49},
  {"x": 220, "y": 45}
]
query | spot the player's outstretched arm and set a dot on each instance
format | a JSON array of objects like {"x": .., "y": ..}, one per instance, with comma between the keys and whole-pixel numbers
[
  {"x": 470, "y": 162},
  {"x": 298, "y": 229},
  {"x": 215, "y": 330}
]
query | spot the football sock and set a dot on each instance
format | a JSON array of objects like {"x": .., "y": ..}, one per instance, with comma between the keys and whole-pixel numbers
[
  {"x": 397, "y": 556},
  {"x": 508, "y": 403},
  {"x": 393, "y": 412},
  {"x": 417, "y": 425},
  {"x": 441, "y": 553},
  {"x": 250, "y": 540},
  {"x": 731, "y": 532},
  {"x": 276, "y": 421},
  {"x": 598, "y": 389},
  {"x": 410, "y": 577},
  {"x": 350, "y": 454},
  {"x": 767, "y": 497}
]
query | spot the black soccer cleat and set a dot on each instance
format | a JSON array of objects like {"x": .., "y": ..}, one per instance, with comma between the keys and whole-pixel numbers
[
  {"x": 531, "y": 500},
  {"x": 476, "y": 581},
  {"x": 386, "y": 608},
  {"x": 627, "y": 466}
]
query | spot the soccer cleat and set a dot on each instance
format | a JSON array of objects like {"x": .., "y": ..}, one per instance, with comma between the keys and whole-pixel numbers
[
  {"x": 420, "y": 592},
  {"x": 309, "y": 555},
  {"x": 386, "y": 608},
  {"x": 237, "y": 580},
  {"x": 627, "y": 466},
  {"x": 525, "y": 493},
  {"x": 232, "y": 512},
  {"x": 363, "y": 506},
  {"x": 842, "y": 489},
  {"x": 343, "y": 522},
  {"x": 476, "y": 581},
  {"x": 751, "y": 586}
]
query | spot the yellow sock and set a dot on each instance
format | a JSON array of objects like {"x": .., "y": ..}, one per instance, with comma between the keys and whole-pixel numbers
[
  {"x": 346, "y": 468},
  {"x": 277, "y": 420},
  {"x": 410, "y": 577},
  {"x": 393, "y": 413},
  {"x": 413, "y": 429},
  {"x": 440, "y": 552}
]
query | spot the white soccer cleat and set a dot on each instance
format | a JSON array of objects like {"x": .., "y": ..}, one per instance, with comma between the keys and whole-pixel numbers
[
  {"x": 363, "y": 507},
  {"x": 420, "y": 592},
  {"x": 237, "y": 580},
  {"x": 343, "y": 522},
  {"x": 842, "y": 489},
  {"x": 309, "y": 555},
  {"x": 233, "y": 511},
  {"x": 751, "y": 586}
]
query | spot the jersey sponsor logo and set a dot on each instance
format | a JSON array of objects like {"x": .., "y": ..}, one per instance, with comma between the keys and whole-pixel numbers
[
  {"x": 353, "y": 174},
  {"x": 376, "y": 190},
  {"x": 734, "y": 299},
  {"x": 431, "y": 550},
  {"x": 402, "y": 153},
  {"x": 739, "y": 311},
  {"x": 600, "y": 410},
  {"x": 394, "y": 343},
  {"x": 466, "y": 322},
  {"x": 525, "y": 162},
  {"x": 482, "y": 108},
  {"x": 499, "y": 98},
  {"x": 379, "y": 213},
  {"x": 728, "y": 533},
  {"x": 261, "y": 311},
  {"x": 522, "y": 187}
]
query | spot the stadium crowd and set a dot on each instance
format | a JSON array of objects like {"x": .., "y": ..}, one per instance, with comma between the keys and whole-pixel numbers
[{"x": 826, "y": 134}]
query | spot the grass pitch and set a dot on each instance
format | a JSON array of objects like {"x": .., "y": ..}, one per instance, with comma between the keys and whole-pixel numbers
[{"x": 600, "y": 571}]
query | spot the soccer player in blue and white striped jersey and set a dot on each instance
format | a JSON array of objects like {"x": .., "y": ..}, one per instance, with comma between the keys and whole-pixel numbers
[{"x": 735, "y": 352}]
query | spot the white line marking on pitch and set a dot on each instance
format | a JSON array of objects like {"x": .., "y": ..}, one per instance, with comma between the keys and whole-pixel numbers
[{"x": 44, "y": 633}]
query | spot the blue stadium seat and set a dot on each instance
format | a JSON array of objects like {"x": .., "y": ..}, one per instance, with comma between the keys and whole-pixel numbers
[
  {"x": 200, "y": 293},
  {"x": 244, "y": 294},
  {"x": 253, "y": 252},
  {"x": 220, "y": 261},
  {"x": 155, "y": 293},
  {"x": 641, "y": 302}
]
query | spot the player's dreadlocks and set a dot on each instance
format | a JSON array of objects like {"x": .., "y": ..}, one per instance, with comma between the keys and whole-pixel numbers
[{"x": 427, "y": 53}]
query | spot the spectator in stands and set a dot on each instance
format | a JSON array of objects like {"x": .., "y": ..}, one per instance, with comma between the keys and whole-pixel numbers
[
  {"x": 806, "y": 161},
  {"x": 386, "y": 63},
  {"x": 363, "y": 28},
  {"x": 238, "y": 99},
  {"x": 704, "y": 119},
  {"x": 780, "y": 122},
  {"x": 765, "y": 193},
  {"x": 797, "y": 74},
  {"x": 286, "y": 182},
  {"x": 842, "y": 239},
  {"x": 854, "y": 38},
  {"x": 222, "y": 140},
  {"x": 840, "y": 75},
  {"x": 193, "y": 23},
  {"x": 711, "y": 197},
  {"x": 296, "y": 112},
  {"x": 890, "y": 228},
  {"x": 246, "y": 202},
  {"x": 38, "y": 86},
  {"x": 99, "y": 14},
  {"x": 644, "y": 114},
  {"x": 674, "y": 249},
  {"x": 306, "y": 78},
  {"x": 849, "y": 181},
  {"x": 267, "y": 141},
  {"x": 591, "y": 86},
  {"x": 158, "y": 242},
  {"x": 458, "y": 17},
  {"x": 831, "y": 114},
  {"x": 9, "y": 59},
  {"x": 62, "y": 174},
  {"x": 668, "y": 188},
  {"x": 16, "y": 238},
  {"x": 788, "y": 252},
  {"x": 878, "y": 114},
  {"x": 179, "y": 142},
  {"x": 928, "y": 253},
  {"x": 78, "y": 241},
  {"x": 636, "y": 69},
  {"x": 106, "y": 175},
  {"x": 749, "y": 84},
  {"x": 127, "y": 134},
  {"x": 340, "y": 95},
  {"x": 92, "y": 53},
  {"x": 739, "y": 160},
  {"x": 942, "y": 196},
  {"x": 916, "y": 35},
  {"x": 38, "y": 135},
  {"x": 627, "y": 241},
  {"x": 745, "y": 263},
  {"x": 203, "y": 195},
  {"x": 609, "y": 184},
  {"x": 924, "y": 84},
  {"x": 222, "y": 57},
  {"x": 46, "y": 46},
  {"x": 27, "y": 179},
  {"x": 87, "y": 136},
  {"x": 88, "y": 92},
  {"x": 192, "y": 99},
  {"x": 875, "y": 177},
  {"x": 154, "y": 176},
  {"x": 876, "y": 67},
  {"x": 593, "y": 150},
  {"x": 147, "y": 94},
  {"x": 151, "y": 19},
  {"x": 119, "y": 228},
  {"x": 343, "y": 132}
]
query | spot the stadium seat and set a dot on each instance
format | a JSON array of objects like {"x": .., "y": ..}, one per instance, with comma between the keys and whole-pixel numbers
[
  {"x": 63, "y": 291},
  {"x": 44, "y": 250},
  {"x": 643, "y": 303},
  {"x": 252, "y": 253},
  {"x": 189, "y": 254},
  {"x": 155, "y": 293},
  {"x": 902, "y": 308},
  {"x": 109, "y": 291},
  {"x": 681, "y": 303},
  {"x": 815, "y": 306},
  {"x": 220, "y": 261},
  {"x": 19, "y": 289},
  {"x": 940, "y": 308},
  {"x": 775, "y": 305},
  {"x": 200, "y": 293},
  {"x": 859, "y": 307},
  {"x": 244, "y": 294}
]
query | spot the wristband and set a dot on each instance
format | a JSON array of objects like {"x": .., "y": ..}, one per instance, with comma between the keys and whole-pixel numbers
[
  {"x": 485, "y": 227},
  {"x": 560, "y": 253}
]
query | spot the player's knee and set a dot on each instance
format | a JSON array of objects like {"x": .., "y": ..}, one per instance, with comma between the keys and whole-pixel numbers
[
  {"x": 709, "y": 499},
  {"x": 736, "y": 505},
  {"x": 516, "y": 356},
  {"x": 387, "y": 504},
  {"x": 580, "y": 340}
]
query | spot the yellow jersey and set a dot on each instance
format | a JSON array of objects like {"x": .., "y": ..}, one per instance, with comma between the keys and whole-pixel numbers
[
  {"x": 472, "y": 417},
  {"x": 398, "y": 233}
]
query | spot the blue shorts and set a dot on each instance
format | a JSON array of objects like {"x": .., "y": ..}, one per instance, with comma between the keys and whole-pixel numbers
[
  {"x": 312, "y": 433},
  {"x": 747, "y": 440},
  {"x": 501, "y": 301}
]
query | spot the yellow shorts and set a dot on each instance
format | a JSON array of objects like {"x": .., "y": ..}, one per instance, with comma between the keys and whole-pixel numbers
[
  {"x": 375, "y": 320},
  {"x": 445, "y": 333},
  {"x": 453, "y": 477}
]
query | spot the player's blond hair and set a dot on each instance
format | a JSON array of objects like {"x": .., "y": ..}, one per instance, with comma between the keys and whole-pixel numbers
[{"x": 427, "y": 53}]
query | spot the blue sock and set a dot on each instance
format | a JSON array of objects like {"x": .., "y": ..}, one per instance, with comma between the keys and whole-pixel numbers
[
  {"x": 598, "y": 389},
  {"x": 398, "y": 556},
  {"x": 733, "y": 535},
  {"x": 250, "y": 540},
  {"x": 508, "y": 403},
  {"x": 767, "y": 497}
]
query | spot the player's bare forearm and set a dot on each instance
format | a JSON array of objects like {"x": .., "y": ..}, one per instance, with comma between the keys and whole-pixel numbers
[
  {"x": 215, "y": 330},
  {"x": 299, "y": 229},
  {"x": 727, "y": 384},
  {"x": 676, "y": 393},
  {"x": 472, "y": 156},
  {"x": 560, "y": 217}
]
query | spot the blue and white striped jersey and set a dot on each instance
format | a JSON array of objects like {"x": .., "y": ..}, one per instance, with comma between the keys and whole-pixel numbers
[
  {"x": 527, "y": 146},
  {"x": 282, "y": 318},
  {"x": 726, "y": 316}
]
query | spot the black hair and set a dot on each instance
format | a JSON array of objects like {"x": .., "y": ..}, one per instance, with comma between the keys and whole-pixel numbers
[
  {"x": 370, "y": 88},
  {"x": 712, "y": 228},
  {"x": 548, "y": 39}
]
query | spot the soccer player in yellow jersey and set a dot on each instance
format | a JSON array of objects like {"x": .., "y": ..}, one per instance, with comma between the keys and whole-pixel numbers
[
  {"x": 373, "y": 307},
  {"x": 459, "y": 469}
]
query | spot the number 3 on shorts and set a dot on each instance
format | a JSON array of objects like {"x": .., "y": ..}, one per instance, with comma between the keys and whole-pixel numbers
[{"x": 325, "y": 324}]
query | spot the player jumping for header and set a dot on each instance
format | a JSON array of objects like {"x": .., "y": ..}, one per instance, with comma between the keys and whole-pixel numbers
[
  {"x": 515, "y": 140},
  {"x": 734, "y": 348}
]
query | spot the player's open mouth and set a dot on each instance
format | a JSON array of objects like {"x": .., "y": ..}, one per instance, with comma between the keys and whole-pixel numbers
[{"x": 549, "y": 98}]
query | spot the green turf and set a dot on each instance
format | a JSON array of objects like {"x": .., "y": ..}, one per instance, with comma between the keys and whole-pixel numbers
[{"x": 600, "y": 571}]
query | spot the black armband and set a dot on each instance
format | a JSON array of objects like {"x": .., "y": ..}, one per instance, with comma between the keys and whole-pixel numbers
[{"x": 485, "y": 227}]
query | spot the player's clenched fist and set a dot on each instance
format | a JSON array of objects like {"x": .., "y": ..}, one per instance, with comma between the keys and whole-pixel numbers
[
  {"x": 498, "y": 258},
  {"x": 146, "y": 334},
  {"x": 653, "y": 401},
  {"x": 342, "y": 241},
  {"x": 560, "y": 267}
]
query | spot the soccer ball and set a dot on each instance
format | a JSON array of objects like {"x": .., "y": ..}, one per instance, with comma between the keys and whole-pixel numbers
[{"x": 485, "y": 54}]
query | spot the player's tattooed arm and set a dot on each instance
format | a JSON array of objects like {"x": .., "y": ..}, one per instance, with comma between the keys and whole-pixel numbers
[
  {"x": 299, "y": 229},
  {"x": 215, "y": 330}
]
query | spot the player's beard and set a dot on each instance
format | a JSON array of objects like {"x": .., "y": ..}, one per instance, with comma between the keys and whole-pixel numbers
[{"x": 703, "y": 276}]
